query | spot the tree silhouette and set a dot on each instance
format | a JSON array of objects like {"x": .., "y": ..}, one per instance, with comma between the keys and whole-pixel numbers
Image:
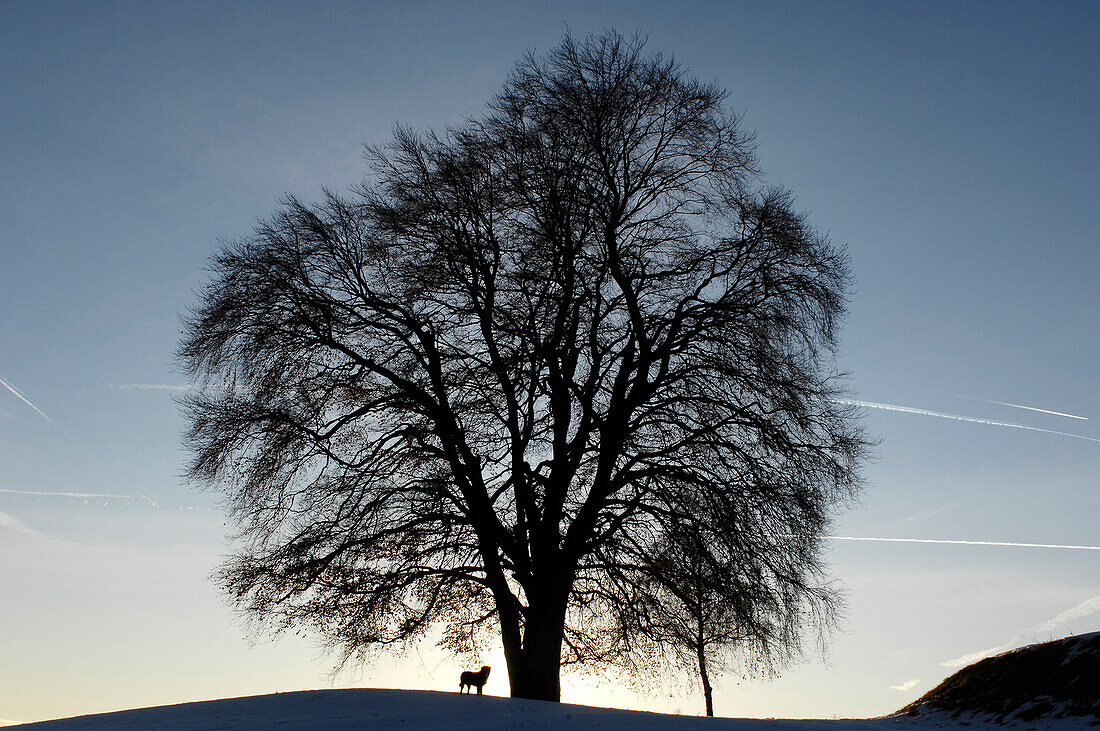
[
  {"x": 479, "y": 391},
  {"x": 708, "y": 612}
]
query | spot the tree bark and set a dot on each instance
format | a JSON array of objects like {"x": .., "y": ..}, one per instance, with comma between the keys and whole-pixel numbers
[
  {"x": 513, "y": 642},
  {"x": 706, "y": 679},
  {"x": 534, "y": 669}
]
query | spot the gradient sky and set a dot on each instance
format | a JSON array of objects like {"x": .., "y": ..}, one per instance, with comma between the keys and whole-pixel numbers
[{"x": 951, "y": 146}]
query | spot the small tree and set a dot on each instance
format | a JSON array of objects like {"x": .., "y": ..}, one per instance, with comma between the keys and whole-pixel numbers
[
  {"x": 477, "y": 392},
  {"x": 708, "y": 612}
]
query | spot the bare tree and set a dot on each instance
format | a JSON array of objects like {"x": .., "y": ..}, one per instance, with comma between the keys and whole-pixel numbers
[
  {"x": 478, "y": 391},
  {"x": 711, "y": 612}
]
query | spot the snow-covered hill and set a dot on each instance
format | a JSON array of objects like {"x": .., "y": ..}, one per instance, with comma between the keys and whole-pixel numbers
[
  {"x": 1031, "y": 685},
  {"x": 1055, "y": 685},
  {"x": 409, "y": 709},
  {"x": 404, "y": 709}
]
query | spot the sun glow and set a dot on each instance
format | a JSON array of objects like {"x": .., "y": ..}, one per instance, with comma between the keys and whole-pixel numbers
[{"x": 582, "y": 690}]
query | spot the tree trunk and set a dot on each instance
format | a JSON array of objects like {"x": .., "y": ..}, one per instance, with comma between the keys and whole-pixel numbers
[
  {"x": 513, "y": 643},
  {"x": 706, "y": 679},
  {"x": 535, "y": 672}
]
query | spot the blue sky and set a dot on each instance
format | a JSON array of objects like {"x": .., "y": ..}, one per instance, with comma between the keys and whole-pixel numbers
[{"x": 951, "y": 147}]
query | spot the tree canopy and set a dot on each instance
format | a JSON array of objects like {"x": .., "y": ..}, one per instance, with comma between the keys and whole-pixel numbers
[{"x": 481, "y": 390}]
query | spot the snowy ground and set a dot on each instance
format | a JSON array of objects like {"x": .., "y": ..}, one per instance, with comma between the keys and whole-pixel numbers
[{"x": 406, "y": 709}]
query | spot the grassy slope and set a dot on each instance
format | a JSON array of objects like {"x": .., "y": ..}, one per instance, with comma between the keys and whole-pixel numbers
[{"x": 1050, "y": 680}]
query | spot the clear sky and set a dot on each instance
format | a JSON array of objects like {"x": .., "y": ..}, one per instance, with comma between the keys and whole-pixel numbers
[{"x": 951, "y": 146}]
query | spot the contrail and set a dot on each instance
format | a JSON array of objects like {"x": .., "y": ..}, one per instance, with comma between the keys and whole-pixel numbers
[
  {"x": 24, "y": 399},
  {"x": 81, "y": 495},
  {"x": 1015, "y": 406},
  {"x": 963, "y": 543},
  {"x": 956, "y": 417},
  {"x": 151, "y": 387}
]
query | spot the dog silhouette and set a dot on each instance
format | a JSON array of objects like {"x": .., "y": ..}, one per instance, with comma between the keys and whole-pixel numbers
[{"x": 470, "y": 679}]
